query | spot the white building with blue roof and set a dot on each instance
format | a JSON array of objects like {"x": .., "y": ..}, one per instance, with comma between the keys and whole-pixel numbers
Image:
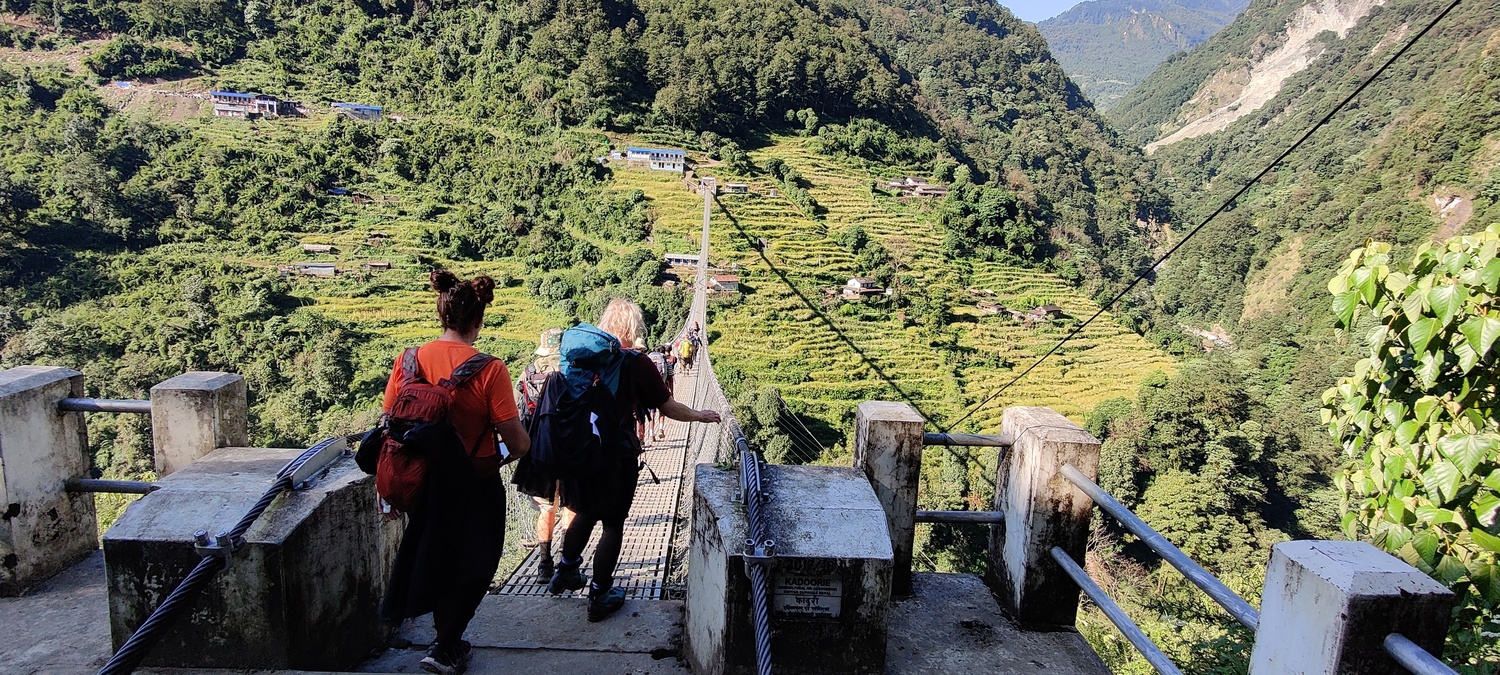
[{"x": 657, "y": 159}]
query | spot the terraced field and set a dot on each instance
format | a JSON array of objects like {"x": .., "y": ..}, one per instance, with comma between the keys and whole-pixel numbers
[{"x": 827, "y": 360}]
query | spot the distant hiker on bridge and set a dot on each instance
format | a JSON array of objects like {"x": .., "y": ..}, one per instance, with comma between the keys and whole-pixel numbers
[
  {"x": 440, "y": 465},
  {"x": 548, "y": 360},
  {"x": 586, "y": 434}
]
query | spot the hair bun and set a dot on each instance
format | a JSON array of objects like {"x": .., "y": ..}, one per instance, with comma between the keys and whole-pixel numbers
[
  {"x": 443, "y": 281},
  {"x": 484, "y": 288}
]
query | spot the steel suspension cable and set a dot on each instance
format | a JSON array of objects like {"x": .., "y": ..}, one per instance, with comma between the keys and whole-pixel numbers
[
  {"x": 1222, "y": 208},
  {"x": 135, "y": 649}
]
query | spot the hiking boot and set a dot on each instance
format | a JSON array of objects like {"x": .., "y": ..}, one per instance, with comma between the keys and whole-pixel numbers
[
  {"x": 544, "y": 569},
  {"x": 603, "y": 604},
  {"x": 445, "y": 660},
  {"x": 566, "y": 578}
]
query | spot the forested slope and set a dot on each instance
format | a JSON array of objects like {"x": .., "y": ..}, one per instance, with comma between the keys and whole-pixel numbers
[{"x": 1413, "y": 159}]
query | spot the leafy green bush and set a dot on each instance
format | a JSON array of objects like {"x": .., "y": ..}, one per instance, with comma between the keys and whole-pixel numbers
[
  {"x": 1417, "y": 417},
  {"x": 129, "y": 58}
]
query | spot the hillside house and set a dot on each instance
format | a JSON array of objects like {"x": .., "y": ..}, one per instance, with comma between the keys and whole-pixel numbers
[
  {"x": 377, "y": 266},
  {"x": 911, "y": 186},
  {"x": 317, "y": 248},
  {"x": 726, "y": 283},
  {"x": 243, "y": 105},
  {"x": 736, "y": 188},
  {"x": 377, "y": 239},
  {"x": 1044, "y": 313},
  {"x": 314, "y": 269},
  {"x": 989, "y": 307},
  {"x": 861, "y": 287},
  {"x": 356, "y": 111},
  {"x": 656, "y": 159},
  {"x": 681, "y": 259}
]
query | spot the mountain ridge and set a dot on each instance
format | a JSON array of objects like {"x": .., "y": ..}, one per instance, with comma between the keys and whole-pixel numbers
[{"x": 1109, "y": 46}]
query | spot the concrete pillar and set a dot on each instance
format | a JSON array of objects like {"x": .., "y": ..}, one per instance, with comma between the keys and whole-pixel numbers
[
  {"x": 829, "y": 582},
  {"x": 888, "y": 448},
  {"x": 1042, "y": 510},
  {"x": 304, "y": 592},
  {"x": 1328, "y": 605},
  {"x": 194, "y": 414},
  {"x": 43, "y": 529}
]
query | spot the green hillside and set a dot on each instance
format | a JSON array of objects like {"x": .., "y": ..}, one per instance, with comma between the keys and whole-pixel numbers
[
  {"x": 1109, "y": 46},
  {"x": 783, "y": 333}
]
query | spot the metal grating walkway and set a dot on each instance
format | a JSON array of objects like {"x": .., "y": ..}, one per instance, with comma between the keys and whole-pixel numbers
[{"x": 644, "y": 556}]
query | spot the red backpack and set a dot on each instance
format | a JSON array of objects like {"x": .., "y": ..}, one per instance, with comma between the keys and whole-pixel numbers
[{"x": 402, "y": 467}]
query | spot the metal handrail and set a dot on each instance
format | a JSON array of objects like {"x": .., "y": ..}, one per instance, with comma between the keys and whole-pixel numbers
[
  {"x": 968, "y": 440},
  {"x": 1412, "y": 657},
  {"x": 1132, "y": 632},
  {"x": 961, "y": 517},
  {"x": 119, "y": 487},
  {"x": 109, "y": 405},
  {"x": 1228, "y": 599}
]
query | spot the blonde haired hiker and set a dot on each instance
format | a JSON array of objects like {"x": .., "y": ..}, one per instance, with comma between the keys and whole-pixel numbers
[{"x": 600, "y": 382}]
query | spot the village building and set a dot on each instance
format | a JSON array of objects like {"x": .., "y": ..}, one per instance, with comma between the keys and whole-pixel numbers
[
  {"x": 377, "y": 239},
  {"x": 656, "y": 159},
  {"x": 317, "y": 248},
  {"x": 727, "y": 283},
  {"x": 242, "y": 105},
  {"x": 681, "y": 259},
  {"x": 1044, "y": 313},
  {"x": 860, "y": 287},
  {"x": 989, "y": 307},
  {"x": 377, "y": 265},
  {"x": 911, "y": 186},
  {"x": 314, "y": 269},
  {"x": 736, "y": 188},
  {"x": 363, "y": 113}
]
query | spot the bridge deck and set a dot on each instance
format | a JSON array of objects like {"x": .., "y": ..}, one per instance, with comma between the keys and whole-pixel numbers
[{"x": 645, "y": 556}]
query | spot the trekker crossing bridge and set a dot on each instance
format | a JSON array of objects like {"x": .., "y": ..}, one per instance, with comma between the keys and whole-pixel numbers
[{"x": 763, "y": 569}]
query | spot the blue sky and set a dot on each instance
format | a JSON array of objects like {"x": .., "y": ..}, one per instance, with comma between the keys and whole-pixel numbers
[{"x": 1037, "y": 10}]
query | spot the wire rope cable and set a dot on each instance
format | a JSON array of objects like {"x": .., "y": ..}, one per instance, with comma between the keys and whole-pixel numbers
[{"x": 1222, "y": 208}]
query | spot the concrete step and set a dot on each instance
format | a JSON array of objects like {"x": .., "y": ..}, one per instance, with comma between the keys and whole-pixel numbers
[{"x": 545, "y": 634}]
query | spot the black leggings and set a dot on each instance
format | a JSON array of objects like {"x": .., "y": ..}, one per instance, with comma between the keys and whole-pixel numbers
[{"x": 606, "y": 554}]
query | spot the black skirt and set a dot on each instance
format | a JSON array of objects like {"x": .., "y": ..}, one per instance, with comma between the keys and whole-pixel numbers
[{"x": 451, "y": 547}]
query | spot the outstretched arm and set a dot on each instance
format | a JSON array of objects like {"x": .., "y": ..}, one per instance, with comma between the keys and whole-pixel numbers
[{"x": 682, "y": 413}]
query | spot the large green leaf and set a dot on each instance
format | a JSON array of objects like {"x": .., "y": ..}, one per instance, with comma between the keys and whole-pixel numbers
[
  {"x": 1421, "y": 332},
  {"x": 1481, "y": 332},
  {"x": 1441, "y": 481},
  {"x": 1486, "y": 541},
  {"x": 1468, "y": 450},
  {"x": 1429, "y": 367},
  {"x": 1446, "y": 300},
  {"x": 1344, "y": 306}
]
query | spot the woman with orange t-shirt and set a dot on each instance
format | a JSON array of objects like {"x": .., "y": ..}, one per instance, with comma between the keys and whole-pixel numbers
[{"x": 452, "y": 543}]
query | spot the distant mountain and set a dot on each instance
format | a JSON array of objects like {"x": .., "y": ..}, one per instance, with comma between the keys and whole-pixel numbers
[{"x": 1109, "y": 46}]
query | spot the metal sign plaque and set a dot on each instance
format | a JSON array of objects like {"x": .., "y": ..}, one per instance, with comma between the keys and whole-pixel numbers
[{"x": 814, "y": 595}]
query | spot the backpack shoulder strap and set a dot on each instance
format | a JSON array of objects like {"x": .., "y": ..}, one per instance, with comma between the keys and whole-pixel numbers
[
  {"x": 410, "y": 369},
  {"x": 466, "y": 370}
]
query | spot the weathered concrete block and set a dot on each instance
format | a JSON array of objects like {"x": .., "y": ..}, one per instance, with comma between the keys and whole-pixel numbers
[
  {"x": 888, "y": 448},
  {"x": 1042, "y": 510},
  {"x": 830, "y": 578},
  {"x": 194, "y": 414},
  {"x": 1328, "y": 605},
  {"x": 302, "y": 594},
  {"x": 43, "y": 529}
]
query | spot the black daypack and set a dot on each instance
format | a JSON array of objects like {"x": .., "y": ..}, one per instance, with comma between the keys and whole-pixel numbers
[{"x": 576, "y": 436}]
